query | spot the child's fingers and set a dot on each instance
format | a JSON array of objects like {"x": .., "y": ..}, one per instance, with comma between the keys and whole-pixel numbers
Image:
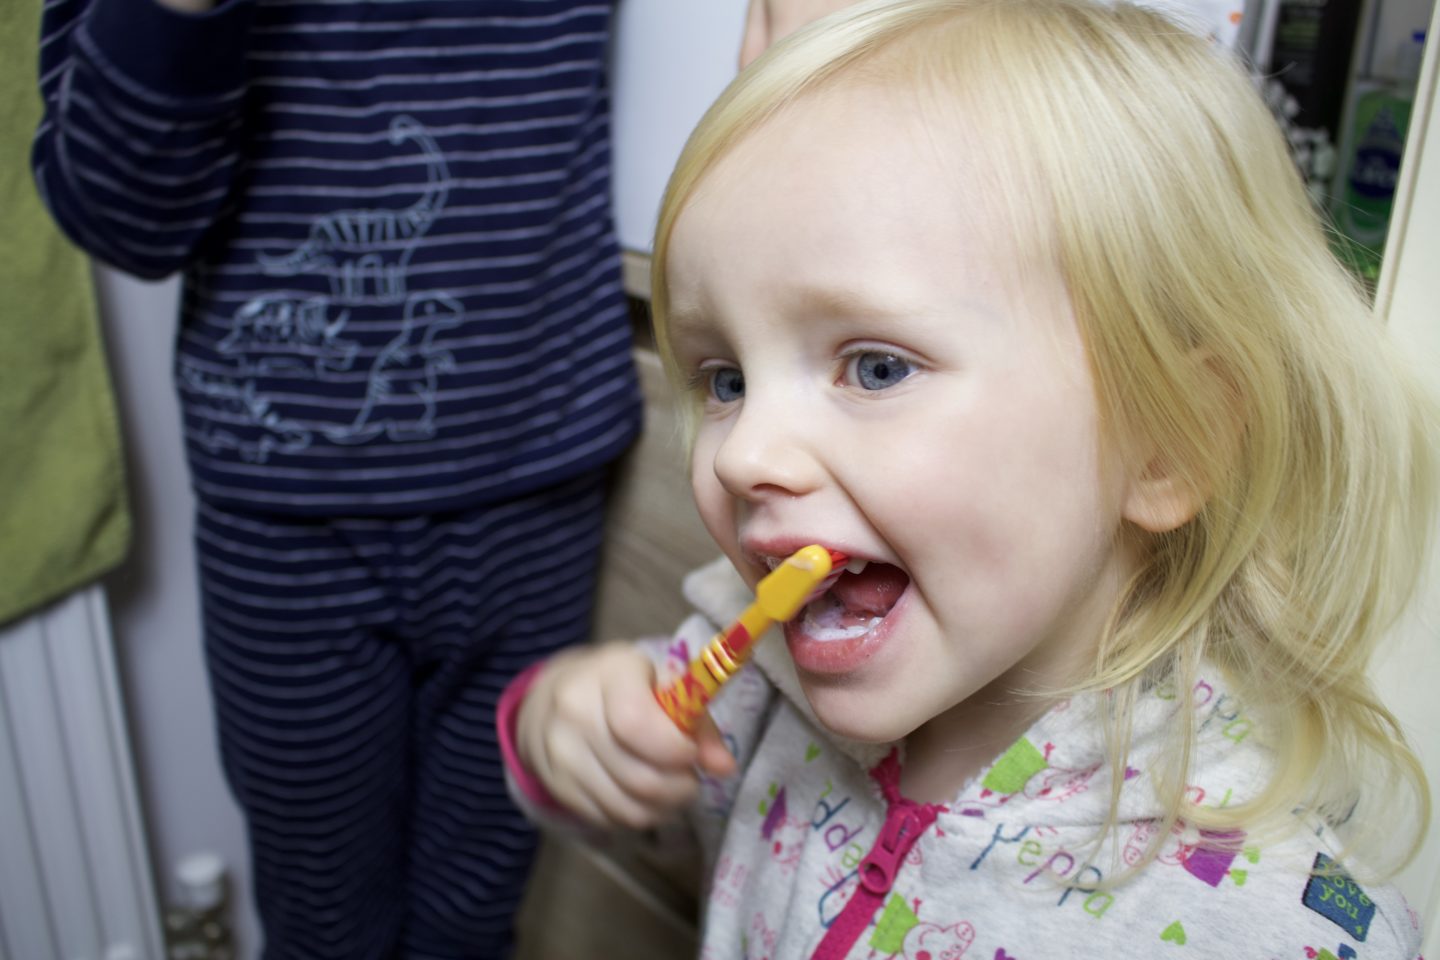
[
  {"x": 594, "y": 733},
  {"x": 606, "y": 805},
  {"x": 642, "y": 727},
  {"x": 628, "y": 788},
  {"x": 712, "y": 753},
  {"x": 577, "y": 800},
  {"x": 650, "y": 784},
  {"x": 757, "y": 32},
  {"x": 626, "y": 793},
  {"x": 577, "y": 779}
]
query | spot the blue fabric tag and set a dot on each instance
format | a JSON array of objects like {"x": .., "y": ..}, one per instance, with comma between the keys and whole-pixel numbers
[{"x": 1332, "y": 894}]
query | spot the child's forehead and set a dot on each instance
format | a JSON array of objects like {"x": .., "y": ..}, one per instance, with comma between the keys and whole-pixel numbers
[
  {"x": 845, "y": 209},
  {"x": 829, "y": 175},
  {"x": 848, "y": 111},
  {"x": 842, "y": 167},
  {"x": 861, "y": 140}
]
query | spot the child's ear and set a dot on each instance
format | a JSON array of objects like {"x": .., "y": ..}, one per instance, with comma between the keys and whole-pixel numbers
[
  {"x": 1160, "y": 499},
  {"x": 1165, "y": 496}
]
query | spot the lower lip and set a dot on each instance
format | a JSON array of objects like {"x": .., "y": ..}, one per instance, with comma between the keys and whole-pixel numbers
[{"x": 837, "y": 657}]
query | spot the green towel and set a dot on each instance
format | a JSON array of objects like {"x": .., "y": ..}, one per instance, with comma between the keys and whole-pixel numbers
[{"x": 63, "y": 511}]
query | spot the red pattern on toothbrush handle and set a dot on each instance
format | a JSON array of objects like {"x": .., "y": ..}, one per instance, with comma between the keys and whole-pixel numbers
[
  {"x": 685, "y": 699},
  {"x": 731, "y": 649}
]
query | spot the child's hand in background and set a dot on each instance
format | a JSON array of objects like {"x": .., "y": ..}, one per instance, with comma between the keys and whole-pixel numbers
[
  {"x": 591, "y": 730},
  {"x": 769, "y": 21}
]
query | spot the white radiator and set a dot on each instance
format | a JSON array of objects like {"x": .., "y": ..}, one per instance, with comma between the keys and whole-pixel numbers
[{"x": 75, "y": 878}]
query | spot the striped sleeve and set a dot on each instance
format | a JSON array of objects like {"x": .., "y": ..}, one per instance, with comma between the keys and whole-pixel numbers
[{"x": 139, "y": 144}]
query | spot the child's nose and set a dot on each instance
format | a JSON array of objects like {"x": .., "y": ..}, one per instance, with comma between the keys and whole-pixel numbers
[{"x": 768, "y": 451}]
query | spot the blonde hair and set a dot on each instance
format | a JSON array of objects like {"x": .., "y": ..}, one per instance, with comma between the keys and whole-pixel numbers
[{"x": 1228, "y": 347}]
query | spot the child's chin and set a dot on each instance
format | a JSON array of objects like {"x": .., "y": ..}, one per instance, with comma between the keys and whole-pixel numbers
[{"x": 851, "y": 722}]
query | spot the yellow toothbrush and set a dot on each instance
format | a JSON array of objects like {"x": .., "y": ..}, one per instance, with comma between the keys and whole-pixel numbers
[{"x": 778, "y": 597}]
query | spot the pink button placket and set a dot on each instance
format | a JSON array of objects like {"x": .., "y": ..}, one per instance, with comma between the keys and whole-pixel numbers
[{"x": 905, "y": 821}]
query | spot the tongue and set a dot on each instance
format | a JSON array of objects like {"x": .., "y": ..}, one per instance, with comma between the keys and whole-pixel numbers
[{"x": 872, "y": 591}]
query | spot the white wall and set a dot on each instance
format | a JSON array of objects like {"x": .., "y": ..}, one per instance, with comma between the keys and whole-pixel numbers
[
  {"x": 670, "y": 60},
  {"x": 1393, "y": 21},
  {"x": 155, "y": 607}
]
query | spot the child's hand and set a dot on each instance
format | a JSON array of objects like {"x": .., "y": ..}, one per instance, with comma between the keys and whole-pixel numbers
[
  {"x": 769, "y": 21},
  {"x": 591, "y": 730}
]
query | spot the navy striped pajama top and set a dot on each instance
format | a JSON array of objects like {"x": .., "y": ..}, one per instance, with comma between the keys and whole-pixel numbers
[{"x": 401, "y": 281}]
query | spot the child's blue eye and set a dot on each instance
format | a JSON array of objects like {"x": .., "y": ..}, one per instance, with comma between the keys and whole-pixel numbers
[
  {"x": 727, "y": 384},
  {"x": 875, "y": 370}
]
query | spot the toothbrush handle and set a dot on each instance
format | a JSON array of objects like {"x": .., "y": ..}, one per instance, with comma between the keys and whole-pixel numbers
[
  {"x": 685, "y": 700},
  {"x": 779, "y": 596}
]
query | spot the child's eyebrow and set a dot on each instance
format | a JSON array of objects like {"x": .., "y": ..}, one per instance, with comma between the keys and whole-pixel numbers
[
  {"x": 685, "y": 322},
  {"x": 844, "y": 303},
  {"x": 893, "y": 311},
  {"x": 821, "y": 301},
  {"x": 688, "y": 321}
]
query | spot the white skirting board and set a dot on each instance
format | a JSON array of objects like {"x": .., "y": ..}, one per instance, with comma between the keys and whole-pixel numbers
[{"x": 75, "y": 877}]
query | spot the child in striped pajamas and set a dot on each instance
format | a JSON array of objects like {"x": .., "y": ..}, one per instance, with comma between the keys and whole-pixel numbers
[{"x": 404, "y": 367}]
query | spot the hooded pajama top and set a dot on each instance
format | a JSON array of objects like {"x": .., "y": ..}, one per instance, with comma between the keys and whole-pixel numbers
[{"x": 813, "y": 853}]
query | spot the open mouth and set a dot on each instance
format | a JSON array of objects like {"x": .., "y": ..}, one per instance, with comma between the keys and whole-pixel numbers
[{"x": 856, "y": 603}]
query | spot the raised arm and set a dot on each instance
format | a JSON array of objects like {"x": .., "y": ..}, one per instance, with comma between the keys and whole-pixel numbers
[
  {"x": 767, "y": 21},
  {"x": 140, "y": 142}
]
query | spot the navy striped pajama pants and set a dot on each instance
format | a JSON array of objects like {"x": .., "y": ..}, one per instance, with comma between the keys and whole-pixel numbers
[{"x": 355, "y": 666}]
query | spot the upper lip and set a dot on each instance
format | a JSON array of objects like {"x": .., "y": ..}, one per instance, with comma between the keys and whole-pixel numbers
[
  {"x": 760, "y": 552},
  {"x": 768, "y": 554}
]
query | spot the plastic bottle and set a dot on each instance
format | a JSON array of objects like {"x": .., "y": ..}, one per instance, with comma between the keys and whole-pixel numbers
[
  {"x": 199, "y": 928},
  {"x": 1367, "y": 194}
]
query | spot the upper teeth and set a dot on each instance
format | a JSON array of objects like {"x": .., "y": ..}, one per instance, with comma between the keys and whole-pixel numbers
[{"x": 854, "y": 565}]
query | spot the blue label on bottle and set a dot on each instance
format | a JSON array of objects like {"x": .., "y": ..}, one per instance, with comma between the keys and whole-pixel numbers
[{"x": 1376, "y": 171}]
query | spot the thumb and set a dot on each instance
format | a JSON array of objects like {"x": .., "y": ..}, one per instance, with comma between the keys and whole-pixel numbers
[{"x": 713, "y": 756}]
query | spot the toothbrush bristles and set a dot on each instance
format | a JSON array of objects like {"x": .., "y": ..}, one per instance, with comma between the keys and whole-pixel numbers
[{"x": 837, "y": 569}]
